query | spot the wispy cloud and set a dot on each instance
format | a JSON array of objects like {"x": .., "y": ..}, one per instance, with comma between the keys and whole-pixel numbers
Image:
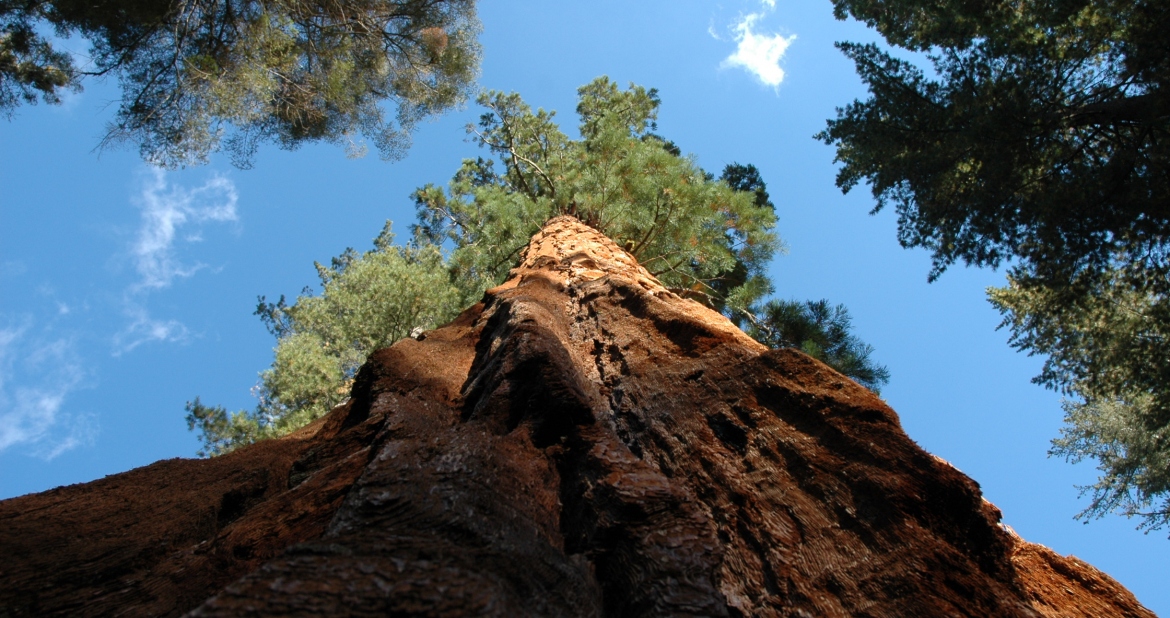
[
  {"x": 36, "y": 377},
  {"x": 144, "y": 329},
  {"x": 12, "y": 268},
  {"x": 757, "y": 53},
  {"x": 41, "y": 369},
  {"x": 171, "y": 216},
  {"x": 167, "y": 208}
]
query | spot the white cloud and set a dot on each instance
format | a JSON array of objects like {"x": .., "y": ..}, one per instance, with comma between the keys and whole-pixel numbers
[
  {"x": 170, "y": 215},
  {"x": 31, "y": 413},
  {"x": 166, "y": 209},
  {"x": 144, "y": 329},
  {"x": 711, "y": 31},
  {"x": 759, "y": 54},
  {"x": 40, "y": 372}
]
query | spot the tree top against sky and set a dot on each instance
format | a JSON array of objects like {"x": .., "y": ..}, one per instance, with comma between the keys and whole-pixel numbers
[
  {"x": 1041, "y": 134},
  {"x": 208, "y": 75}
]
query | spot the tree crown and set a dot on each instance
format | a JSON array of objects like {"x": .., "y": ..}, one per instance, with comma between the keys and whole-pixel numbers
[
  {"x": 688, "y": 229},
  {"x": 205, "y": 75}
]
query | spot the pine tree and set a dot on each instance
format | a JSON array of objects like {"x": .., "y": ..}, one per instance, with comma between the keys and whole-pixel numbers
[
  {"x": 823, "y": 331},
  {"x": 367, "y": 301},
  {"x": 688, "y": 229},
  {"x": 202, "y": 75}
]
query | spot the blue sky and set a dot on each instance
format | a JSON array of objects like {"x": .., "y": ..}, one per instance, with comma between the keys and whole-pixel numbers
[{"x": 127, "y": 291}]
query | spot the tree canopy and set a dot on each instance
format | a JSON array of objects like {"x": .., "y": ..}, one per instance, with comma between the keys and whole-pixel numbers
[
  {"x": 707, "y": 238},
  {"x": 1039, "y": 139},
  {"x": 687, "y": 228},
  {"x": 1108, "y": 349},
  {"x": 1041, "y": 136},
  {"x": 203, "y": 75}
]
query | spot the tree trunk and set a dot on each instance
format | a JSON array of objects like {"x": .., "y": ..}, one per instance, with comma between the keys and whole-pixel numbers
[{"x": 583, "y": 442}]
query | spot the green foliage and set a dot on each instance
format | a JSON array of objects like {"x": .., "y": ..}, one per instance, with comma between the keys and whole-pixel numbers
[
  {"x": 1043, "y": 135},
  {"x": 29, "y": 66},
  {"x": 1040, "y": 139},
  {"x": 202, "y": 75},
  {"x": 1108, "y": 348},
  {"x": 368, "y": 301},
  {"x": 823, "y": 332},
  {"x": 1133, "y": 460},
  {"x": 689, "y": 230},
  {"x": 747, "y": 178},
  {"x": 222, "y": 431}
]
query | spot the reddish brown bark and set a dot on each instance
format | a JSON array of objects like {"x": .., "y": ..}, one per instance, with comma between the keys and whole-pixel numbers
[{"x": 581, "y": 443}]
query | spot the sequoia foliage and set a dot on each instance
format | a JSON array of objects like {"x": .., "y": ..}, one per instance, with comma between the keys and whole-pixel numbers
[
  {"x": 687, "y": 228},
  {"x": 201, "y": 75},
  {"x": 1108, "y": 348},
  {"x": 1040, "y": 139}
]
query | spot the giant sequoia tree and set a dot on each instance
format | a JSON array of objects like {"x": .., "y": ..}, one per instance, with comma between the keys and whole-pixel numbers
[
  {"x": 200, "y": 75},
  {"x": 1041, "y": 139},
  {"x": 707, "y": 238}
]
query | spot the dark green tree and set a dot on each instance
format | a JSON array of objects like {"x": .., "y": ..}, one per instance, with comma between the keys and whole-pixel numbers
[
  {"x": 1042, "y": 135},
  {"x": 747, "y": 178},
  {"x": 823, "y": 331},
  {"x": 1039, "y": 139},
  {"x": 201, "y": 75}
]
